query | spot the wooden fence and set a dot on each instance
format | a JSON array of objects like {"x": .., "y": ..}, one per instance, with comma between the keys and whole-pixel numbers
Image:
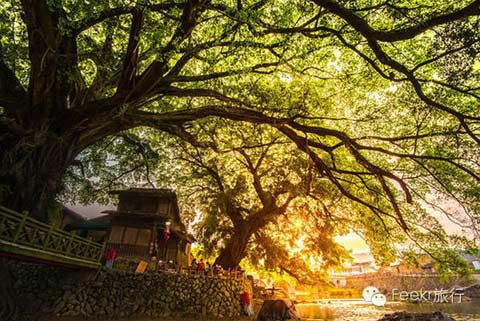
[{"x": 25, "y": 237}]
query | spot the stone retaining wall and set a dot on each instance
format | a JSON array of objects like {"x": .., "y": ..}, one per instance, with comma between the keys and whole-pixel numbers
[{"x": 122, "y": 294}]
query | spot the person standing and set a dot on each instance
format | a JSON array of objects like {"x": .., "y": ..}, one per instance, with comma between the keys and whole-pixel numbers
[
  {"x": 110, "y": 257},
  {"x": 201, "y": 267},
  {"x": 247, "y": 303},
  {"x": 162, "y": 241}
]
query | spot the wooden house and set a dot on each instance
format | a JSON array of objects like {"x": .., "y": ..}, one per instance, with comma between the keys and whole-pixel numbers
[{"x": 147, "y": 224}]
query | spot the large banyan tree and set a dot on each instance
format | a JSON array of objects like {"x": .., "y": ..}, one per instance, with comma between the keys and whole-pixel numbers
[{"x": 381, "y": 97}]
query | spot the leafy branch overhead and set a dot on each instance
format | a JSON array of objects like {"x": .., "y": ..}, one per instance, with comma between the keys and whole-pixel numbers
[{"x": 381, "y": 99}]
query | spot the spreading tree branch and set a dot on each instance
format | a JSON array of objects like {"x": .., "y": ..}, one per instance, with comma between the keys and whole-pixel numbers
[
  {"x": 131, "y": 56},
  {"x": 358, "y": 23},
  {"x": 12, "y": 93}
]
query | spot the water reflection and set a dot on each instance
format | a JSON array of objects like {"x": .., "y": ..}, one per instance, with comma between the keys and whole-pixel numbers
[{"x": 356, "y": 310}]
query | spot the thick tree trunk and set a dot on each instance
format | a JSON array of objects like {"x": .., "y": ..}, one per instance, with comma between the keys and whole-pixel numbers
[
  {"x": 31, "y": 172},
  {"x": 235, "y": 248},
  {"x": 8, "y": 309}
]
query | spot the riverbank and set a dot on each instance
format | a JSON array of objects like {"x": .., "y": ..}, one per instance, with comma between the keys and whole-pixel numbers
[
  {"x": 115, "y": 296},
  {"x": 179, "y": 317},
  {"x": 333, "y": 311}
]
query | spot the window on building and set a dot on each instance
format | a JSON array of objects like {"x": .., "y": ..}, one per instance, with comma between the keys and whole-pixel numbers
[
  {"x": 143, "y": 237},
  {"x": 116, "y": 234},
  {"x": 163, "y": 208},
  {"x": 130, "y": 235}
]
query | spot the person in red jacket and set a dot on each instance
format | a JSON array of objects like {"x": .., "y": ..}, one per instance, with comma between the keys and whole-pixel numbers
[
  {"x": 247, "y": 303},
  {"x": 110, "y": 257}
]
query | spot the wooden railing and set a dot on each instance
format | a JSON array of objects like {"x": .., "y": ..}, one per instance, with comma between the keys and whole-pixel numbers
[{"x": 24, "y": 235}]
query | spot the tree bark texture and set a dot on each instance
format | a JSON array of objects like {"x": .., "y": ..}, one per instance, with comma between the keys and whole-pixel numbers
[
  {"x": 31, "y": 171},
  {"x": 235, "y": 249},
  {"x": 8, "y": 309}
]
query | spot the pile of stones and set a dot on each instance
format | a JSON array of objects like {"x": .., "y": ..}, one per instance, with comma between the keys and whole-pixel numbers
[{"x": 473, "y": 291}]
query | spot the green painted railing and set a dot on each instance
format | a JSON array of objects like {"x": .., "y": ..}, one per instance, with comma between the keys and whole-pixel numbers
[{"x": 23, "y": 235}]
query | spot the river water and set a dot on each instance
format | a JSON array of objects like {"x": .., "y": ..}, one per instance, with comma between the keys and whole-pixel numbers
[{"x": 358, "y": 310}]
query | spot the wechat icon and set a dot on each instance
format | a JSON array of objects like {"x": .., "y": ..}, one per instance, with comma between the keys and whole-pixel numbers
[{"x": 372, "y": 295}]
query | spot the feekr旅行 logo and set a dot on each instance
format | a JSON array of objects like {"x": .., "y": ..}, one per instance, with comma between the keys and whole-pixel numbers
[{"x": 372, "y": 295}]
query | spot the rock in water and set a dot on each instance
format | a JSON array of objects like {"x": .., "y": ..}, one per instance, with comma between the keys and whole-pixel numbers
[
  {"x": 273, "y": 310},
  {"x": 473, "y": 291},
  {"x": 406, "y": 316}
]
